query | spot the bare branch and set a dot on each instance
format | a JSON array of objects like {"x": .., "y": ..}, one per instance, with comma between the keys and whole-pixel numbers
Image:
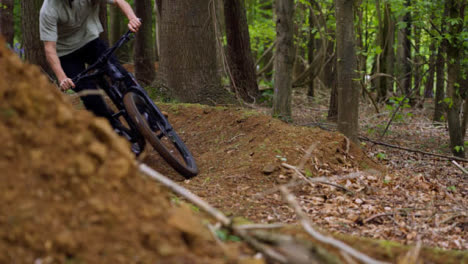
[{"x": 291, "y": 199}]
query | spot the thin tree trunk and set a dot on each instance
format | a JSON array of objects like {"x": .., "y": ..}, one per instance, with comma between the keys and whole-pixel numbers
[
  {"x": 116, "y": 30},
  {"x": 439, "y": 107},
  {"x": 456, "y": 11},
  {"x": 404, "y": 51},
  {"x": 239, "y": 54},
  {"x": 188, "y": 65},
  {"x": 417, "y": 69},
  {"x": 348, "y": 91},
  {"x": 33, "y": 46},
  {"x": 429, "y": 85},
  {"x": 144, "y": 46},
  {"x": 310, "y": 53},
  {"x": 284, "y": 59},
  {"x": 103, "y": 18},
  {"x": 7, "y": 28},
  {"x": 389, "y": 53}
]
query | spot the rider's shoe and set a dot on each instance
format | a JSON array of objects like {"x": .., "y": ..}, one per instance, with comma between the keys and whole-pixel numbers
[{"x": 136, "y": 149}]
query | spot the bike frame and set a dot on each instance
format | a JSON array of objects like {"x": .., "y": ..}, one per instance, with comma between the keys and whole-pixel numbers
[{"x": 120, "y": 82}]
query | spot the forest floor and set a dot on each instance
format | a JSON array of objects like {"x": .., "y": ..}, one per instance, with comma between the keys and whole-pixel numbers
[
  {"x": 391, "y": 194},
  {"x": 70, "y": 191}
]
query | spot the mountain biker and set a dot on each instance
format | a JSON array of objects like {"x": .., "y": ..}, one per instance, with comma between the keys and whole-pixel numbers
[{"x": 70, "y": 31}]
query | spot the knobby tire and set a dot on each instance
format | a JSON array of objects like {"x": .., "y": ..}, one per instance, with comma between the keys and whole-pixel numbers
[{"x": 140, "y": 112}]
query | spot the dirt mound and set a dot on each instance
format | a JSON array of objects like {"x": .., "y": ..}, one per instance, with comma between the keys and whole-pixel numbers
[
  {"x": 69, "y": 188},
  {"x": 240, "y": 155}
]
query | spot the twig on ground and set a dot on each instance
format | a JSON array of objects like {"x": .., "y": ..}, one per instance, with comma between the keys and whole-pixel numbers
[
  {"x": 307, "y": 156},
  {"x": 311, "y": 181},
  {"x": 291, "y": 199},
  {"x": 352, "y": 175},
  {"x": 413, "y": 150},
  {"x": 225, "y": 221},
  {"x": 459, "y": 167},
  {"x": 261, "y": 226}
]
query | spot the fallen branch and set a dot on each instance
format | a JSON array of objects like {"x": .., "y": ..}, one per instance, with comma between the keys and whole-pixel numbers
[
  {"x": 291, "y": 199},
  {"x": 413, "y": 150},
  {"x": 311, "y": 181},
  {"x": 225, "y": 221},
  {"x": 460, "y": 167},
  {"x": 260, "y": 226}
]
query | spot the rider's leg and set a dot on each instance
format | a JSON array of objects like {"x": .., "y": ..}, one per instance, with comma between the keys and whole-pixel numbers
[{"x": 73, "y": 64}]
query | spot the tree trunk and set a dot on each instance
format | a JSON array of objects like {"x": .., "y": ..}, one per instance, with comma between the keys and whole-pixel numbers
[
  {"x": 284, "y": 59},
  {"x": 103, "y": 18},
  {"x": 387, "y": 56},
  {"x": 456, "y": 11},
  {"x": 348, "y": 91},
  {"x": 439, "y": 107},
  {"x": 404, "y": 51},
  {"x": 239, "y": 55},
  {"x": 429, "y": 85},
  {"x": 388, "y": 60},
  {"x": 116, "y": 29},
  {"x": 144, "y": 46},
  {"x": 33, "y": 46},
  {"x": 417, "y": 68},
  {"x": 7, "y": 28},
  {"x": 310, "y": 52},
  {"x": 440, "y": 85},
  {"x": 188, "y": 64}
]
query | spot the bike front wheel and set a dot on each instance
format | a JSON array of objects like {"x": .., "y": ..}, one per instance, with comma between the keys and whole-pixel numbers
[{"x": 156, "y": 129}]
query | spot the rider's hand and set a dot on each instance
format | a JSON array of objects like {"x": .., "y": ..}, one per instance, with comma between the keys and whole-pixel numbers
[
  {"x": 134, "y": 24},
  {"x": 66, "y": 84}
]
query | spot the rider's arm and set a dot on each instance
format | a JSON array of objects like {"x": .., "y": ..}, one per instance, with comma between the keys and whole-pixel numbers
[
  {"x": 133, "y": 21},
  {"x": 54, "y": 62}
]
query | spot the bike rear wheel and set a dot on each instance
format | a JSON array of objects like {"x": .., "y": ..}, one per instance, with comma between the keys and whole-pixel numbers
[{"x": 156, "y": 129}]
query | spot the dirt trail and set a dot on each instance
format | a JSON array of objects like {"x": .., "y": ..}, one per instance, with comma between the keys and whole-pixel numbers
[
  {"x": 69, "y": 187},
  {"x": 240, "y": 155},
  {"x": 69, "y": 190}
]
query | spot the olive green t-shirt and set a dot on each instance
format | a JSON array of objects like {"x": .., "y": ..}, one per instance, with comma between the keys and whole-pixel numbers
[{"x": 70, "y": 26}]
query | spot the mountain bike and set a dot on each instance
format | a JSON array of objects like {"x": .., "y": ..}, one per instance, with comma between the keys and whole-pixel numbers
[{"x": 137, "y": 118}]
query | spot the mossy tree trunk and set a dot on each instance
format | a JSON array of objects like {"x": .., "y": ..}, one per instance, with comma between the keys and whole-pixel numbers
[
  {"x": 284, "y": 59},
  {"x": 144, "y": 43},
  {"x": 348, "y": 88},
  {"x": 188, "y": 65}
]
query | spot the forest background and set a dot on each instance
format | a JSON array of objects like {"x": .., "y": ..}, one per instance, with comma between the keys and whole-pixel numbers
[{"x": 393, "y": 54}]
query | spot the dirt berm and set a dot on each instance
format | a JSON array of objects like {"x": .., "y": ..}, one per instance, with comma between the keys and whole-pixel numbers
[{"x": 70, "y": 191}]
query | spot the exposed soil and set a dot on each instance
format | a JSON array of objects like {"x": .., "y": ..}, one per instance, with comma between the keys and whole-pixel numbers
[
  {"x": 69, "y": 187},
  {"x": 240, "y": 155}
]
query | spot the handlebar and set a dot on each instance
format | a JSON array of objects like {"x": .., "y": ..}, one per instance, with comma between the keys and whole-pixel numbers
[{"x": 105, "y": 57}]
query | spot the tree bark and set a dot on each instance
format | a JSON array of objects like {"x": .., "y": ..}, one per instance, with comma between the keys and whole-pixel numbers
[
  {"x": 310, "y": 52},
  {"x": 33, "y": 46},
  {"x": 439, "y": 107},
  {"x": 456, "y": 11},
  {"x": 116, "y": 29},
  {"x": 385, "y": 61},
  {"x": 239, "y": 55},
  {"x": 440, "y": 85},
  {"x": 284, "y": 59},
  {"x": 144, "y": 46},
  {"x": 7, "y": 28},
  {"x": 103, "y": 18},
  {"x": 188, "y": 64},
  {"x": 429, "y": 85},
  {"x": 348, "y": 91},
  {"x": 404, "y": 51}
]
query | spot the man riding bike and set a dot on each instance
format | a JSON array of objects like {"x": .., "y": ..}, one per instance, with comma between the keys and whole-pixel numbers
[{"x": 70, "y": 31}]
